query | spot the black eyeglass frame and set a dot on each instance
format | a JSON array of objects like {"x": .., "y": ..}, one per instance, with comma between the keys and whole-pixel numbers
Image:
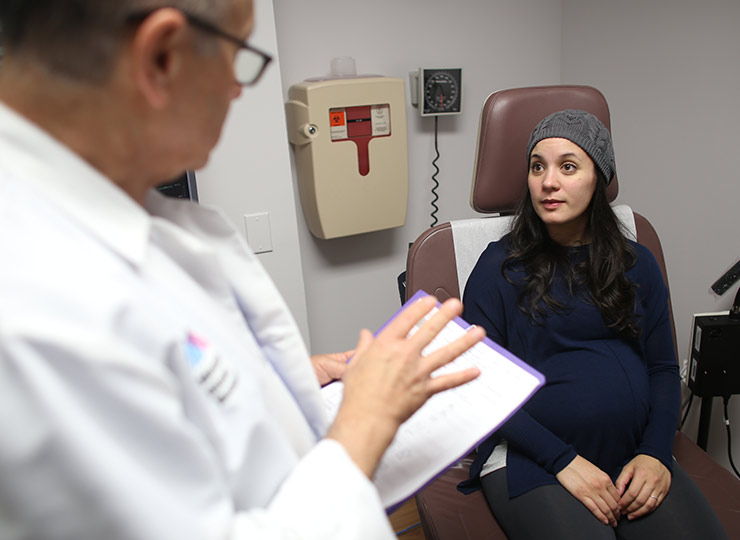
[{"x": 204, "y": 25}]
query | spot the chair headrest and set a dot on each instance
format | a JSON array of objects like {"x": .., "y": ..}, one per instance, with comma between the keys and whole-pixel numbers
[{"x": 507, "y": 119}]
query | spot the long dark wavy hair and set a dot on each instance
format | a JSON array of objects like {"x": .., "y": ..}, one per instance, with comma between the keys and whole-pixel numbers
[{"x": 603, "y": 272}]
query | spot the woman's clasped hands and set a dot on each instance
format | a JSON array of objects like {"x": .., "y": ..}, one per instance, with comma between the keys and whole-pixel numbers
[{"x": 640, "y": 488}]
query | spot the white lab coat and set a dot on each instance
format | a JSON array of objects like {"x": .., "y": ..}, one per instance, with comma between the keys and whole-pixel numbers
[{"x": 152, "y": 383}]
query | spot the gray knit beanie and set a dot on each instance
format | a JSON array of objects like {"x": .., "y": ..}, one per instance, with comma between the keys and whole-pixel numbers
[{"x": 583, "y": 129}]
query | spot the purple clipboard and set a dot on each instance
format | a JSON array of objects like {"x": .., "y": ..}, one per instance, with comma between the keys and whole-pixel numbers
[{"x": 537, "y": 382}]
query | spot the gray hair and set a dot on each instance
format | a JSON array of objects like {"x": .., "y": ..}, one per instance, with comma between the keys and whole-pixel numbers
[{"x": 79, "y": 39}]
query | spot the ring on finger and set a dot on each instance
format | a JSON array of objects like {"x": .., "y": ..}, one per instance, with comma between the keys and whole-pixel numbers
[{"x": 654, "y": 497}]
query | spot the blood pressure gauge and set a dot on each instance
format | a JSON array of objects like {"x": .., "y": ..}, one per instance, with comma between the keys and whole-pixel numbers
[{"x": 440, "y": 91}]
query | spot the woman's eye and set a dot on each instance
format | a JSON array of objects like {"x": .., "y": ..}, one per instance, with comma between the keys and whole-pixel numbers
[
  {"x": 536, "y": 167},
  {"x": 569, "y": 167}
]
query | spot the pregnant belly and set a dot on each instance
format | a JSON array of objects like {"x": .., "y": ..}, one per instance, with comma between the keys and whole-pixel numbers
[{"x": 592, "y": 394}]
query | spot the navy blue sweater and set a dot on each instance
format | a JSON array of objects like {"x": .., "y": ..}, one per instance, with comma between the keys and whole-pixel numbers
[{"x": 606, "y": 398}]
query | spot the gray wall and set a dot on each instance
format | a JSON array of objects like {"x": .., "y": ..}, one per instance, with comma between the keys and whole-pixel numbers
[{"x": 670, "y": 72}]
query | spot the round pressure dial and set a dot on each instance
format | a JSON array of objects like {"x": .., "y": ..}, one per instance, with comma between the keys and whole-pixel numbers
[{"x": 441, "y": 91}]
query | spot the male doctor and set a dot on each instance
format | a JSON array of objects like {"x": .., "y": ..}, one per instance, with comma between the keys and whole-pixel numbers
[{"x": 152, "y": 383}]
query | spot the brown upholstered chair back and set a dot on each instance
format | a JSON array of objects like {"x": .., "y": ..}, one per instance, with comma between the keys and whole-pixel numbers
[{"x": 507, "y": 119}]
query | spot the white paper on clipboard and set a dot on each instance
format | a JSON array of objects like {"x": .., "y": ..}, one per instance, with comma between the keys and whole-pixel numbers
[{"x": 451, "y": 423}]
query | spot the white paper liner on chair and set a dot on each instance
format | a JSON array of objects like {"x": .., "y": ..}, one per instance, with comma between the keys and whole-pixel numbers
[{"x": 471, "y": 237}]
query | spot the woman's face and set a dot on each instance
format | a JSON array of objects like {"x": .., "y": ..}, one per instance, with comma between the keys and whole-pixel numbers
[{"x": 562, "y": 179}]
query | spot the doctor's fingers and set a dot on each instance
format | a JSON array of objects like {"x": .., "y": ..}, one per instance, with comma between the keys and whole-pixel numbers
[
  {"x": 452, "y": 380},
  {"x": 446, "y": 354},
  {"x": 411, "y": 316},
  {"x": 431, "y": 323}
]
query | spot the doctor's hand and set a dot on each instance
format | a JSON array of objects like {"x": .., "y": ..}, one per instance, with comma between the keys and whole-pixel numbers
[
  {"x": 593, "y": 487},
  {"x": 330, "y": 367},
  {"x": 388, "y": 379},
  {"x": 643, "y": 484}
]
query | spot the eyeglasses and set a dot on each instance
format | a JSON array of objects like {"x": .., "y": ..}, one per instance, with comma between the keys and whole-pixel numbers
[{"x": 250, "y": 62}]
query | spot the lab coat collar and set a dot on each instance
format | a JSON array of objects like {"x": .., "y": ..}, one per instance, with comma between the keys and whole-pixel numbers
[{"x": 35, "y": 158}]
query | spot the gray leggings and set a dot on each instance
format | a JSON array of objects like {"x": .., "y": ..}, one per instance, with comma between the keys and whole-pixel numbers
[{"x": 551, "y": 512}]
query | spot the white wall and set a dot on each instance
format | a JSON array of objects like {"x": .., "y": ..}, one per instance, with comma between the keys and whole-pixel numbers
[
  {"x": 249, "y": 171},
  {"x": 670, "y": 72},
  {"x": 351, "y": 282}
]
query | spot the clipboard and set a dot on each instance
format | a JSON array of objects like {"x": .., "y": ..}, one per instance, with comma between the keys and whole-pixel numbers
[{"x": 452, "y": 423}]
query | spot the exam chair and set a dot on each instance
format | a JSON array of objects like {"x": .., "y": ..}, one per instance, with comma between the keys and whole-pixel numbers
[{"x": 442, "y": 257}]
